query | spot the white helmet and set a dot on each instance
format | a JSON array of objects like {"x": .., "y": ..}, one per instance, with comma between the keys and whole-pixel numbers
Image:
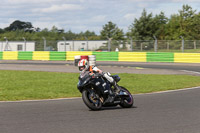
[{"x": 83, "y": 65}]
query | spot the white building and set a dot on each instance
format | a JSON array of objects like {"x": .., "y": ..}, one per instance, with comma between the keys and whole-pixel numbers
[
  {"x": 17, "y": 46},
  {"x": 80, "y": 45}
]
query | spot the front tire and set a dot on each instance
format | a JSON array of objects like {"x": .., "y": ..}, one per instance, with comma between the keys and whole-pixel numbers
[
  {"x": 126, "y": 102},
  {"x": 90, "y": 102}
]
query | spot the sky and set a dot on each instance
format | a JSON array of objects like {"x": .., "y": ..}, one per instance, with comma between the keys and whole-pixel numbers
[{"x": 82, "y": 15}]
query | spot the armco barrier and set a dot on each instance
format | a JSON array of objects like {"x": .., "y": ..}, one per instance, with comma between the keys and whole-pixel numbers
[
  {"x": 40, "y": 55},
  {"x": 10, "y": 55},
  {"x": 187, "y": 57},
  {"x": 160, "y": 57},
  {"x": 132, "y": 56},
  {"x": 25, "y": 55},
  {"x": 57, "y": 56},
  {"x": 103, "y": 56},
  {"x": 106, "y": 56},
  {"x": 71, "y": 54}
]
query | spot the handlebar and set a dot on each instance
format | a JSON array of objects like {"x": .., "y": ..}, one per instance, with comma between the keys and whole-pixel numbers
[{"x": 96, "y": 75}]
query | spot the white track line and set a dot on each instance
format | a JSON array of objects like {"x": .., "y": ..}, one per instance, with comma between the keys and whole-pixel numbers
[
  {"x": 190, "y": 71},
  {"x": 58, "y": 99},
  {"x": 160, "y": 92}
]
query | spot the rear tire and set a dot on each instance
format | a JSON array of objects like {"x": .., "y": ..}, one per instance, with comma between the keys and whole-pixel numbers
[
  {"x": 90, "y": 102},
  {"x": 126, "y": 102}
]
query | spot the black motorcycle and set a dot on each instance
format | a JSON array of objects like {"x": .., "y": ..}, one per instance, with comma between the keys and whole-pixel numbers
[{"x": 94, "y": 89}]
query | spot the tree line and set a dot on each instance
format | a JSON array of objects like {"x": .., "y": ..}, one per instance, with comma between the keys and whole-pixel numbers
[{"x": 185, "y": 23}]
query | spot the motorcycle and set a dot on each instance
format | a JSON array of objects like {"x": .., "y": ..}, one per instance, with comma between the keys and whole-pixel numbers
[{"x": 95, "y": 87}]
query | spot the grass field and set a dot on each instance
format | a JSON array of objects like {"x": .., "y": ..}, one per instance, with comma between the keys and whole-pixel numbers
[{"x": 28, "y": 85}]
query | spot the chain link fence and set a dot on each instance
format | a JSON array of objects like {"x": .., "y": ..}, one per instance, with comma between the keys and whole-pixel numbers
[
  {"x": 156, "y": 45},
  {"x": 46, "y": 45},
  {"x": 105, "y": 45}
]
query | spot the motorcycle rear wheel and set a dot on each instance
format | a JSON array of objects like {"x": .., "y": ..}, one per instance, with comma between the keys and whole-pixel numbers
[{"x": 90, "y": 102}]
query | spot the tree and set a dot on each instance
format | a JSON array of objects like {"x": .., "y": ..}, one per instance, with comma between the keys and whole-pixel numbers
[
  {"x": 185, "y": 24},
  {"x": 110, "y": 30},
  {"x": 186, "y": 21},
  {"x": 69, "y": 35},
  {"x": 54, "y": 29},
  {"x": 196, "y": 26},
  {"x": 160, "y": 22},
  {"x": 1, "y": 30},
  {"x": 90, "y": 35},
  {"x": 143, "y": 28},
  {"x": 173, "y": 28},
  {"x": 20, "y": 25}
]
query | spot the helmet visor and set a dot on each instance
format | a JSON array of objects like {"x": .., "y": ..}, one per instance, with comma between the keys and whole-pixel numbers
[{"x": 81, "y": 68}]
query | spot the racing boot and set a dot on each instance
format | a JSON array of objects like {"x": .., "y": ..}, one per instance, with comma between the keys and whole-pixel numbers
[{"x": 116, "y": 88}]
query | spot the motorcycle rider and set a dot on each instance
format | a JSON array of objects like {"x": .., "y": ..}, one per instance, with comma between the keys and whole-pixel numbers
[{"x": 84, "y": 68}]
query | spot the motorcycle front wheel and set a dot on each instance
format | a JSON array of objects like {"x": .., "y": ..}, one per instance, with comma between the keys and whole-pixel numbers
[
  {"x": 126, "y": 102},
  {"x": 91, "y": 100}
]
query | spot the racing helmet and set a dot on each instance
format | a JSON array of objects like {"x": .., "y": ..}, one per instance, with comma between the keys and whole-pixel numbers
[{"x": 83, "y": 65}]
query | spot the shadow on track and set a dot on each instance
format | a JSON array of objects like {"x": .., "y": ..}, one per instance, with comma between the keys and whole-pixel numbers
[{"x": 114, "y": 108}]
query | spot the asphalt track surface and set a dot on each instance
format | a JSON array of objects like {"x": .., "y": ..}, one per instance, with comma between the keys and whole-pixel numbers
[
  {"x": 169, "y": 112},
  {"x": 169, "y": 66},
  {"x": 113, "y": 67}
]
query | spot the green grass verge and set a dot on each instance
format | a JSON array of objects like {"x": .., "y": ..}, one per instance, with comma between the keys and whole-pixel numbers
[{"x": 28, "y": 85}]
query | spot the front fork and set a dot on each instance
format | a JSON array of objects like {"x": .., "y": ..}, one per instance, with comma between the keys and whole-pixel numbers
[{"x": 95, "y": 96}]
